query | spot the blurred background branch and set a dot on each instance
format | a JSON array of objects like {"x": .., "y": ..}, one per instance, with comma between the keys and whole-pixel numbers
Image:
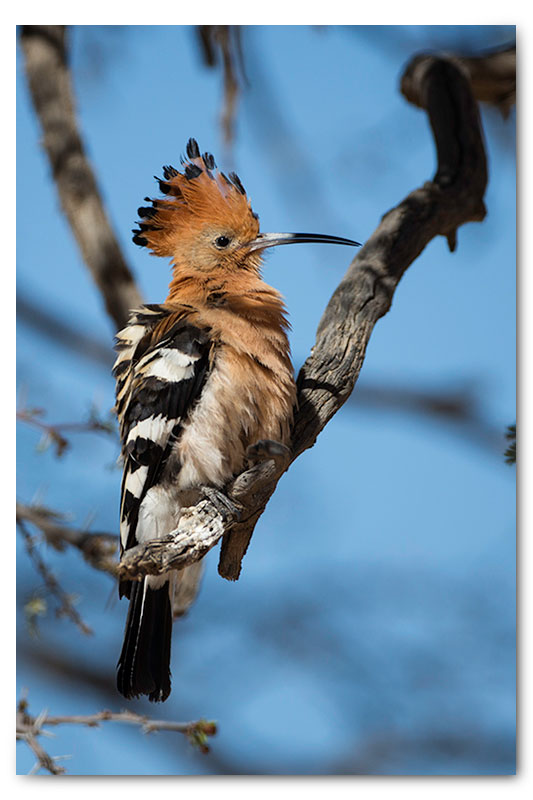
[
  {"x": 53, "y": 434},
  {"x": 48, "y": 75},
  {"x": 454, "y": 404},
  {"x": 65, "y": 601},
  {"x": 493, "y": 77},
  {"x": 98, "y": 549},
  {"x": 221, "y": 46}
]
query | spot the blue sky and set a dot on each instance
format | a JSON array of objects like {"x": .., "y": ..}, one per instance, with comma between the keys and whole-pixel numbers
[{"x": 376, "y": 605}]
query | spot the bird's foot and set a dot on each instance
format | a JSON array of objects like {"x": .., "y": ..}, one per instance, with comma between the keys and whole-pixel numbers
[{"x": 225, "y": 507}]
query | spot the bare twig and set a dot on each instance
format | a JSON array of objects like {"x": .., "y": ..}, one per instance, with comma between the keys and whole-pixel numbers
[
  {"x": 50, "y": 86},
  {"x": 453, "y": 198},
  {"x": 53, "y": 433},
  {"x": 66, "y": 607},
  {"x": 29, "y": 728},
  {"x": 98, "y": 549}
]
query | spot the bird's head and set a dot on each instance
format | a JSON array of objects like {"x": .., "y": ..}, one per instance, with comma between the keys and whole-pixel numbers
[{"x": 205, "y": 221}]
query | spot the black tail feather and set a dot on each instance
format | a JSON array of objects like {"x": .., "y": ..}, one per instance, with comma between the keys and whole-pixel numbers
[{"x": 144, "y": 663}]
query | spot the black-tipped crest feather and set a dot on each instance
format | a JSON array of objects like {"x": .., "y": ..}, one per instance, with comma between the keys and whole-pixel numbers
[{"x": 193, "y": 151}]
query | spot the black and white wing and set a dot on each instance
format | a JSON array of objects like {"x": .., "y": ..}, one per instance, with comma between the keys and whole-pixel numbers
[{"x": 162, "y": 364}]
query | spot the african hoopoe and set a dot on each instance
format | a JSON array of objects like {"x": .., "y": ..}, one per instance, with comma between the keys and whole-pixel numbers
[{"x": 200, "y": 378}]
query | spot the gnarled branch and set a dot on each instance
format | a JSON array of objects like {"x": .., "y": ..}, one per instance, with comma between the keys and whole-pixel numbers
[{"x": 454, "y": 197}]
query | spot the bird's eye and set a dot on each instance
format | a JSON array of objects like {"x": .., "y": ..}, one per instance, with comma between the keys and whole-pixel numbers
[{"x": 222, "y": 241}]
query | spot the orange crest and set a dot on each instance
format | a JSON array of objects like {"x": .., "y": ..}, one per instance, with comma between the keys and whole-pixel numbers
[{"x": 198, "y": 197}]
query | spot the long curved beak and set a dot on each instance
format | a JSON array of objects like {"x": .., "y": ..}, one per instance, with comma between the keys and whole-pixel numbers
[{"x": 273, "y": 239}]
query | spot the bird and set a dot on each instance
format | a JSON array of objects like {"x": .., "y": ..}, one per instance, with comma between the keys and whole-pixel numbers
[{"x": 200, "y": 379}]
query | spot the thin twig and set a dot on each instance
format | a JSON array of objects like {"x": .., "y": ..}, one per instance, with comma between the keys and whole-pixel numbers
[
  {"x": 54, "y": 433},
  {"x": 66, "y": 607},
  {"x": 98, "y": 549},
  {"x": 29, "y": 728}
]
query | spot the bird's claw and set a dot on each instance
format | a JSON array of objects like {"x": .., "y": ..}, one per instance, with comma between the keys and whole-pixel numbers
[{"x": 225, "y": 507}]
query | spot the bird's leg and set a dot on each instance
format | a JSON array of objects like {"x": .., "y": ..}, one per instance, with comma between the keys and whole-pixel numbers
[
  {"x": 266, "y": 449},
  {"x": 225, "y": 507}
]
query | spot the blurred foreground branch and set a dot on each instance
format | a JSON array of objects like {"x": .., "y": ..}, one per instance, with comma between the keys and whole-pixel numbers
[
  {"x": 30, "y": 728},
  {"x": 326, "y": 380},
  {"x": 51, "y": 91}
]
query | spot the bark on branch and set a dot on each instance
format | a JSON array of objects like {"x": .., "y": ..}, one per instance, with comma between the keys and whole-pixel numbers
[{"x": 454, "y": 197}]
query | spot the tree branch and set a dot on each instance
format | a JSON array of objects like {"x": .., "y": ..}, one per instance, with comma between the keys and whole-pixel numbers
[
  {"x": 223, "y": 42},
  {"x": 98, "y": 549},
  {"x": 66, "y": 607},
  {"x": 493, "y": 77},
  {"x": 29, "y": 728},
  {"x": 54, "y": 433},
  {"x": 459, "y": 405},
  {"x": 454, "y": 197},
  {"x": 51, "y": 91}
]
